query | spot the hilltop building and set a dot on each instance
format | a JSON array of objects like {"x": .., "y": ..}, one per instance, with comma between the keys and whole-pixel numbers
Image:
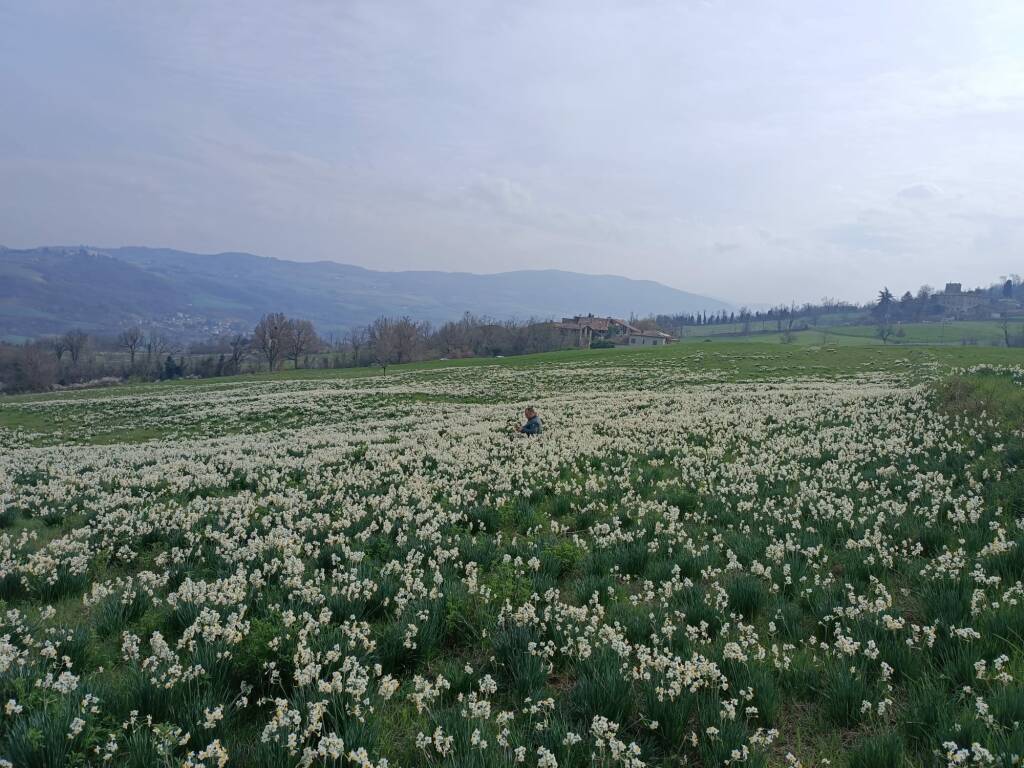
[{"x": 957, "y": 303}]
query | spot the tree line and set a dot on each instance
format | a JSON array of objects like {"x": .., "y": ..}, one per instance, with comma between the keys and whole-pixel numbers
[
  {"x": 887, "y": 312},
  {"x": 77, "y": 358},
  {"x": 997, "y": 302}
]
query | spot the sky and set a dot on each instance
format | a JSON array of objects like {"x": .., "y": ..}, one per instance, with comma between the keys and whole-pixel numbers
[{"x": 758, "y": 152}]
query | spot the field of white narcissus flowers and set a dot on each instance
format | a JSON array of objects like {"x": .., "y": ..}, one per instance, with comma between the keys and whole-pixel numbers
[{"x": 791, "y": 571}]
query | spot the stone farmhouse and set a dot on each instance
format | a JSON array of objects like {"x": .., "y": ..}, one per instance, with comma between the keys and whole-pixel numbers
[{"x": 583, "y": 330}]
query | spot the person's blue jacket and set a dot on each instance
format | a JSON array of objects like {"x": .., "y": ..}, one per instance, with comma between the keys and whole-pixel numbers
[{"x": 532, "y": 426}]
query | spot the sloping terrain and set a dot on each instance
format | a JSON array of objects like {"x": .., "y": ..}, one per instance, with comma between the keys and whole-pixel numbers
[{"x": 48, "y": 290}]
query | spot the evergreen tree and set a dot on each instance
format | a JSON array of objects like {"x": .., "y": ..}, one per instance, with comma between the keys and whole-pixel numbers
[
  {"x": 883, "y": 308},
  {"x": 172, "y": 370}
]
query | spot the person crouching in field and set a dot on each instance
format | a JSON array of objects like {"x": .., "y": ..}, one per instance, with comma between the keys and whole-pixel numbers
[{"x": 532, "y": 425}]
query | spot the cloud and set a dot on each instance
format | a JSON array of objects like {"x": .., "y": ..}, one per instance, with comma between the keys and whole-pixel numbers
[
  {"x": 499, "y": 195},
  {"x": 723, "y": 148},
  {"x": 873, "y": 230},
  {"x": 921, "y": 191}
]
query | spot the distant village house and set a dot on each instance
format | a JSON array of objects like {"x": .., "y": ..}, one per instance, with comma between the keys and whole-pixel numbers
[
  {"x": 583, "y": 330},
  {"x": 649, "y": 339}
]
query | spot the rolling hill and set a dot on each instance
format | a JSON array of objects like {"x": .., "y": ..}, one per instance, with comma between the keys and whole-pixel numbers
[{"x": 101, "y": 290}]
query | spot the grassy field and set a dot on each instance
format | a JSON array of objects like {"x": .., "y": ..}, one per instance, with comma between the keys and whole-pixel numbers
[
  {"x": 940, "y": 333},
  {"x": 719, "y": 553}
]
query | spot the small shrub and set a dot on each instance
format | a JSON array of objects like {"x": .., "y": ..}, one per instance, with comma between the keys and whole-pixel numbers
[{"x": 561, "y": 559}]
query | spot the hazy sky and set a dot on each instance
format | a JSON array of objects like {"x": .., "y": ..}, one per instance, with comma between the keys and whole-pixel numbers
[{"x": 754, "y": 151}]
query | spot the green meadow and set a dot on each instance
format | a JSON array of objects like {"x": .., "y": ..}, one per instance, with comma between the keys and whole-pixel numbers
[{"x": 723, "y": 552}]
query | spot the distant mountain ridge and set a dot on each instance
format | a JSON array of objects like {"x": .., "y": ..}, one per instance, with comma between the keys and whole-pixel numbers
[{"x": 102, "y": 290}]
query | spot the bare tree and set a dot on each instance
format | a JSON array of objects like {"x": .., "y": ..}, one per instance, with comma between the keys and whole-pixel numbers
[
  {"x": 35, "y": 370},
  {"x": 76, "y": 341},
  {"x": 383, "y": 339},
  {"x": 456, "y": 338},
  {"x": 884, "y": 330},
  {"x": 538, "y": 336},
  {"x": 1004, "y": 324},
  {"x": 270, "y": 338},
  {"x": 356, "y": 339},
  {"x": 239, "y": 345},
  {"x": 788, "y": 335},
  {"x": 156, "y": 346},
  {"x": 301, "y": 339},
  {"x": 409, "y": 339},
  {"x": 131, "y": 340},
  {"x": 397, "y": 340},
  {"x": 59, "y": 345}
]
